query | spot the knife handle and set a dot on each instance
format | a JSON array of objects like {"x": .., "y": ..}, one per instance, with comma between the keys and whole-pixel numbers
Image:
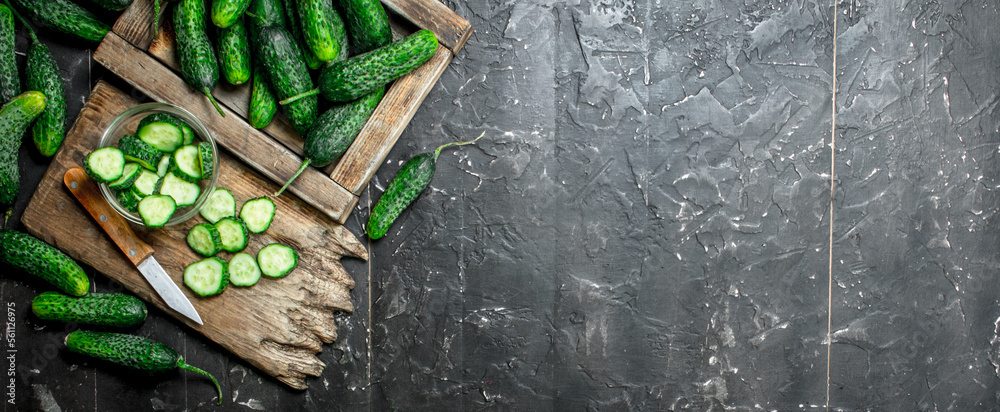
[{"x": 114, "y": 225}]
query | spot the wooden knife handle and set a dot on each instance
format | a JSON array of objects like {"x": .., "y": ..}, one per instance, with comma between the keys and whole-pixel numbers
[{"x": 114, "y": 225}]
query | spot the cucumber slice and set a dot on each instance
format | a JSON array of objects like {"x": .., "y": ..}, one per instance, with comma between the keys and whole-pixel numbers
[
  {"x": 187, "y": 132},
  {"x": 234, "y": 234},
  {"x": 104, "y": 165},
  {"x": 277, "y": 260},
  {"x": 129, "y": 175},
  {"x": 156, "y": 210},
  {"x": 127, "y": 199},
  {"x": 161, "y": 131},
  {"x": 257, "y": 213},
  {"x": 145, "y": 185},
  {"x": 185, "y": 163},
  {"x": 204, "y": 239},
  {"x": 138, "y": 151},
  {"x": 164, "y": 166},
  {"x": 184, "y": 193},
  {"x": 243, "y": 270},
  {"x": 207, "y": 277},
  {"x": 220, "y": 204},
  {"x": 206, "y": 157}
]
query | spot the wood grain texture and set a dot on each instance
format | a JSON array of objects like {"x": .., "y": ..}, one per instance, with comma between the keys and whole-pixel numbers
[
  {"x": 117, "y": 228},
  {"x": 451, "y": 29},
  {"x": 250, "y": 145},
  {"x": 135, "y": 24},
  {"x": 280, "y": 337},
  {"x": 387, "y": 123}
]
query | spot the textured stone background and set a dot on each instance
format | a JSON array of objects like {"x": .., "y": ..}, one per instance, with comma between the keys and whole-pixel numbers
[{"x": 646, "y": 225}]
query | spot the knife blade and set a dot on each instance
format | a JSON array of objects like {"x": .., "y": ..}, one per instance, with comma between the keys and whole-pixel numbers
[{"x": 137, "y": 251}]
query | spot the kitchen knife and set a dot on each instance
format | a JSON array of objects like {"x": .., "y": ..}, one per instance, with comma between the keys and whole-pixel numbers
[{"x": 140, "y": 253}]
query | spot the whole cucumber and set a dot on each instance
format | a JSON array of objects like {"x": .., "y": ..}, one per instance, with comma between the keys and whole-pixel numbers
[
  {"x": 334, "y": 132},
  {"x": 38, "y": 258},
  {"x": 65, "y": 16},
  {"x": 281, "y": 59},
  {"x": 322, "y": 28},
  {"x": 269, "y": 12},
  {"x": 102, "y": 309},
  {"x": 294, "y": 27},
  {"x": 226, "y": 12},
  {"x": 113, "y": 5},
  {"x": 43, "y": 75},
  {"x": 367, "y": 24},
  {"x": 15, "y": 116},
  {"x": 131, "y": 351},
  {"x": 263, "y": 105},
  {"x": 10, "y": 79},
  {"x": 197, "y": 57},
  {"x": 234, "y": 53},
  {"x": 411, "y": 180}
]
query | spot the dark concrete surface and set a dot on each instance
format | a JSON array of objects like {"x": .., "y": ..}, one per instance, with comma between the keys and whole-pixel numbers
[{"x": 647, "y": 223}]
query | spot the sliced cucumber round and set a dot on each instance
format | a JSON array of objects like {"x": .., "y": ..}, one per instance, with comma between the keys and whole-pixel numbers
[
  {"x": 163, "y": 167},
  {"x": 207, "y": 277},
  {"x": 257, "y": 213},
  {"x": 243, "y": 270},
  {"x": 162, "y": 131},
  {"x": 187, "y": 132},
  {"x": 234, "y": 233},
  {"x": 145, "y": 185},
  {"x": 127, "y": 199},
  {"x": 129, "y": 175},
  {"x": 138, "y": 151},
  {"x": 185, "y": 163},
  {"x": 277, "y": 260},
  {"x": 184, "y": 193},
  {"x": 206, "y": 156},
  {"x": 204, "y": 239},
  {"x": 104, "y": 165},
  {"x": 156, "y": 210},
  {"x": 220, "y": 204}
]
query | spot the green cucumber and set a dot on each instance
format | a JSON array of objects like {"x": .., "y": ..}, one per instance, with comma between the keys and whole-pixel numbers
[
  {"x": 128, "y": 199},
  {"x": 104, "y": 165},
  {"x": 188, "y": 133},
  {"x": 367, "y": 23},
  {"x": 10, "y": 79},
  {"x": 194, "y": 50},
  {"x": 234, "y": 53},
  {"x": 258, "y": 213},
  {"x": 43, "y": 75},
  {"x": 145, "y": 185},
  {"x": 183, "y": 192},
  {"x": 403, "y": 189},
  {"x": 281, "y": 58},
  {"x": 204, "y": 238},
  {"x": 38, "y": 258},
  {"x": 225, "y": 13},
  {"x": 15, "y": 116},
  {"x": 263, "y": 105},
  {"x": 206, "y": 159},
  {"x": 207, "y": 277},
  {"x": 185, "y": 164},
  {"x": 130, "y": 173},
  {"x": 102, "y": 309},
  {"x": 156, "y": 210},
  {"x": 162, "y": 131},
  {"x": 268, "y": 12},
  {"x": 163, "y": 167},
  {"x": 362, "y": 74},
  {"x": 135, "y": 352},
  {"x": 277, "y": 260},
  {"x": 295, "y": 29},
  {"x": 220, "y": 204},
  {"x": 66, "y": 17},
  {"x": 322, "y": 28},
  {"x": 243, "y": 270},
  {"x": 334, "y": 132},
  {"x": 113, "y": 5},
  {"x": 138, "y": 151},
  {"x": 234, "y": 234}
]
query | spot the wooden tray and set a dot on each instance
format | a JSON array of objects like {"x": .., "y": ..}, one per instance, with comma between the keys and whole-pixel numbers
[
  {"x": 281, "y": 337},
  {"x": 150, "y": 65}
]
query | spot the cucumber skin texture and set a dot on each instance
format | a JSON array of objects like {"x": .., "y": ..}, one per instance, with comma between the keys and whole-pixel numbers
[
  {"x": 281, "y": 59},
  {"x": 38, "y": 258},
  {"x": 10, "y": 80},
  {"x": 234, "y": 53},
  {"x": 226, "y": 12},
  {"x": 322, "y": 28},
  {"x": 271, "y": 11},
  {"x": 135, "y": 147},
  {"x": 131, "y": 351},
  {"x": 102, "y": 309},
  {"x": 66, "y": 17},
  {"x": 113, "y": 5},
  {"x": 359, "y": 75},
  {"x": 43, "y": 75},
  {"x": 197, "y": 57},
  {"x": 367, "y": 23},
  {"x": 292, "y": 17},
  {"x": 409, "y": 182},
  {"x": 263, "y": 105},
  {"x": 336, "y": 129},
  {"x": 15, "y": 116}
]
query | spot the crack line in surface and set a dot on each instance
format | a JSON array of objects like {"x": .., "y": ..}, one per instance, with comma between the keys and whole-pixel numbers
[{"x": 833, "y": 152}]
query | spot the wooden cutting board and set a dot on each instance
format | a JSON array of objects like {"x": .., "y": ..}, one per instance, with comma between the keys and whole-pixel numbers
[{"x": 277, "y": 325}]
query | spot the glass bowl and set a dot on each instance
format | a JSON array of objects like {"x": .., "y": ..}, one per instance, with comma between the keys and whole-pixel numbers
[{"x": 126, "y": 123}]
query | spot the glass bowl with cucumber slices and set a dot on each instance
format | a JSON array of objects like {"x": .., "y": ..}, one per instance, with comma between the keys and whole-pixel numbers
[{"x": 156, "y": 164}]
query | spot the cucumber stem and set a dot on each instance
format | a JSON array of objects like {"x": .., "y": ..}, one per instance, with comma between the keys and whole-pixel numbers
[
  {"x": 305, "y": 164},
  {"x": 183, "y": 365},
  {"x": 438, "y": 150},
  {"x": 302, "y": 95},
  {"x": 211, "y": 98}
]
